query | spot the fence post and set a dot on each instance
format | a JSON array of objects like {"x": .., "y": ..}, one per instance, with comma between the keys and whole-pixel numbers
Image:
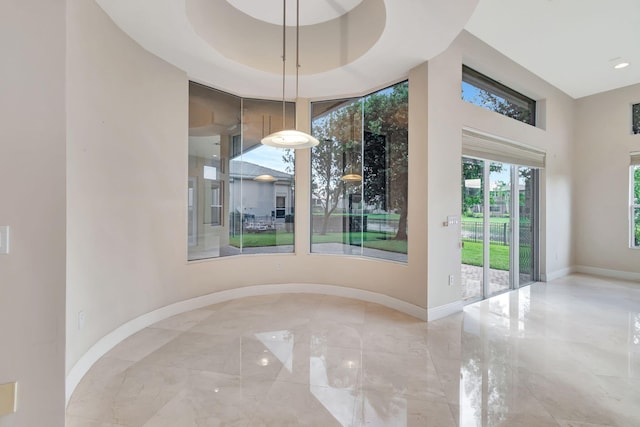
[{"x": 504, "y": 233}]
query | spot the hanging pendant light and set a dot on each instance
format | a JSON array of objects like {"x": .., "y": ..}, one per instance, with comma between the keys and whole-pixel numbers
[
  {"x": 265, "y": 178},
  {"x": 289, "y": 138},
  {"x": 352, "y": 177}
]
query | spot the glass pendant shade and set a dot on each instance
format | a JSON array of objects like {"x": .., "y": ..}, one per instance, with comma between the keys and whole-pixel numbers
[
  {"x": 290, "y": 139},
  {"x": 265, "y": 178},
  {"x": 352, "y": 177}
]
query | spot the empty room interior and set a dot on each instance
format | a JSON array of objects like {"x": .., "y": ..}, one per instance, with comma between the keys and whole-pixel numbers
[{"x": 320, "y": 213}]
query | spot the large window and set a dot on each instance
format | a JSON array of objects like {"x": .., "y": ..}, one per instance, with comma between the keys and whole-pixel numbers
[
  {"x": 359, "y": 175},
  {"x": 635, "y": 118},
  {"x": 635, "y": 202},
  {"x": 481, "y": 90},
  {"x": 240, "y": 192}
]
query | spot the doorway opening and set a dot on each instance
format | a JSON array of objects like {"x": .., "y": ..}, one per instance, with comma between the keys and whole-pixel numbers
[{"x": 499, "y": 227}]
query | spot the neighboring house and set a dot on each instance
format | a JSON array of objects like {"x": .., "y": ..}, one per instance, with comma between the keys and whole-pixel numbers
[{"x": 266, "y": 194}]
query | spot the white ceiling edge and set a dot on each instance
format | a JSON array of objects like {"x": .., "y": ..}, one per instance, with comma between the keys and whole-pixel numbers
[
  {"x": 571, "y": 44},
  {"x": 311, "y": 13},
  {"x": 161, "y": 27}
]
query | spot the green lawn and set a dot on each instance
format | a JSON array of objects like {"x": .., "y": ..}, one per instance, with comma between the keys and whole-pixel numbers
[
  {"x": 498, "y": 255},
  {"x": 382, "y": 241},
  {"x": 372, "y": 240},
  {"x": 265, "y": 238}
]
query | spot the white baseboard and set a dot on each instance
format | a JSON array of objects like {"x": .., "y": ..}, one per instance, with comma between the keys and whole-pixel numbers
[
  {"x": 614, "y": 274},
  {"x": 110, "y": 340},
  {"x": 557, "y": 274},
  {"x": 441, "y": 311}
]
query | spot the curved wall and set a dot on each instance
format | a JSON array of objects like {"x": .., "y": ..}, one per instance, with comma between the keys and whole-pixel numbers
[
  {"x": 127, "y": 172},
  {"x": 126, "y": 186}
]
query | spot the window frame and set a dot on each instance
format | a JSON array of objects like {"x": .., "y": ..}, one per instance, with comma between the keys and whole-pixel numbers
[
  {"x": 634, "y": 206},
  {"x": 635, "y": 119},
  {"x": 486, "y": 83}
]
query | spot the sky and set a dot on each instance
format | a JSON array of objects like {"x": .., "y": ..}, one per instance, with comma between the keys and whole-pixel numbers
[{"x": 266, "y": 156}]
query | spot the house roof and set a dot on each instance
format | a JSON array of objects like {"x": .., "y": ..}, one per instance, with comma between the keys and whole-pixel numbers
[{"x": 246, "y": 170}]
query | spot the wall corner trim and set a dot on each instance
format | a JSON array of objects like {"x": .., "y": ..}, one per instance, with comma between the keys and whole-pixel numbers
[
  {"x": 113, "y": 338},
  {"x": 557, "y": 274},
  {"x": 445, "y": 310}
]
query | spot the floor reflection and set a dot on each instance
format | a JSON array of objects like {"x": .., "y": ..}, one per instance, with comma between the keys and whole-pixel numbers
[{"x": 561, "y": 354}]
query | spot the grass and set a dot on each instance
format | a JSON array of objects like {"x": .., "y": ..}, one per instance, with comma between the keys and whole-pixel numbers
[
  {"x": 372, "y": 240},
  {"x": 498, "y": 255},
  {"x": 265, "y": 238}
]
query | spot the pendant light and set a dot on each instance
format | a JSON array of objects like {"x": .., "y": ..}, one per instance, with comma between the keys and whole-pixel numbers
[
  {"x": 352, "y": 177},
  {"x": 289, "y": 138},
  {"x": 265, "y": 178}
]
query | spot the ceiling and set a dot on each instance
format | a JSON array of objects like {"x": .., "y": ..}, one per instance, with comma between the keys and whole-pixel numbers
[
  {"x": 349, "y": 47},
  {"x": 572, "y": 44}
]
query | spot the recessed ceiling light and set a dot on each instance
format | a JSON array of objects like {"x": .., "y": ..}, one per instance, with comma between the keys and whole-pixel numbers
[{"x": 620, "y": 65}]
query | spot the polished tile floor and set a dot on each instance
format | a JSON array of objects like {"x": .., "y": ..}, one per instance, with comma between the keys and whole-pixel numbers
[{"x": 566, "y": 353}]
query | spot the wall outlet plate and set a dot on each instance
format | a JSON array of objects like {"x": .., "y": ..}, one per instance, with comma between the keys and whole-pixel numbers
[{"x": 4, "y": 239}]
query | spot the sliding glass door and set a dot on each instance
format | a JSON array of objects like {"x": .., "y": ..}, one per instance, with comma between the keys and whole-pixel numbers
[
  {"x": 528, "y": 222},
  {"x": 472, "y": 229},
  {"x": 499, "y": 222},
  {"x": 497, "y": 198}
]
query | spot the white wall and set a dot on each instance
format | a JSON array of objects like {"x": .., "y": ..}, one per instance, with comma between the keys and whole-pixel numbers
[
  {"x": 448, "y": 114},
  {"x": 603, "y": 144},
  {"x": 32, "y": 202}
]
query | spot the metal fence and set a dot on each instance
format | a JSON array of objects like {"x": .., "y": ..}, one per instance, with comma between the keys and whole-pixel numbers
[{"x": 499, "y": 233}]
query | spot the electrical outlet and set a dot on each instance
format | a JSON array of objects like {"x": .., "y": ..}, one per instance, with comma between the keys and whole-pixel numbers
[
  {"x": 451, "y": 280},
  {"x": 4, "y": 240}
]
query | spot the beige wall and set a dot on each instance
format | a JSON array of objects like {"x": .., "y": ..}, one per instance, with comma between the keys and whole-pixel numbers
[
  {"x": 127, "y": 216},
  {"x": 448, "y": 115},
  {"x": 32, "y": 191},
  {"x": 603, "y": 144},
  {"x": 127, "y": 175},
  {"x": 125, "y": 221},
  {"x": 127, "y": 172}
]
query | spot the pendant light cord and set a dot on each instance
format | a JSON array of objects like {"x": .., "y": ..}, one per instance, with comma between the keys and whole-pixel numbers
[
  {"x": 284, "y": 51},
  {"x": 297, "y": 45}
]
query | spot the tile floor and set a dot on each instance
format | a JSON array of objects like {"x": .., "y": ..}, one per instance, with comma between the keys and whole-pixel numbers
[{"x": 566, "y": 353}]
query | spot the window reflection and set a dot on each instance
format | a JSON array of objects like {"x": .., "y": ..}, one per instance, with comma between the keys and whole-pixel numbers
[
  {"x": 359, "y": 175},
  {"x": 488, "y": 377},
  {"x": 240, "y": 192},
  {"x": 634, "y": 345}
]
